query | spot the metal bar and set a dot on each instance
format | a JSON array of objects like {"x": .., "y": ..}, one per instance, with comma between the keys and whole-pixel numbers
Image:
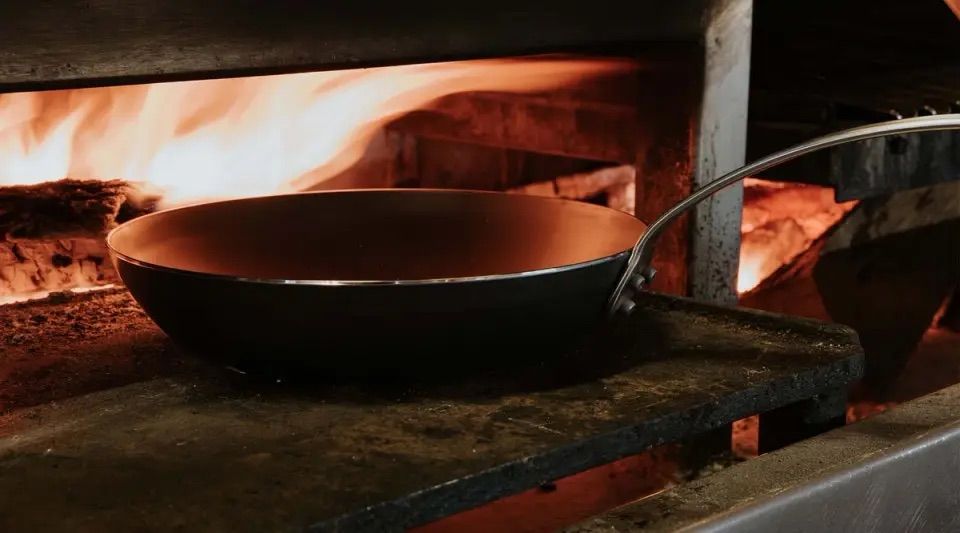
[
  {"x": 57, "y": 43},
  {"x": 912, "y": 487},
  {"x": 722, "y": 141},
  {"x": 896, "y": 471},
  {"x": 882, "y": 166}
]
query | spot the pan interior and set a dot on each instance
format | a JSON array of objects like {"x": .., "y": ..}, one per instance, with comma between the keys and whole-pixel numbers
[{"x": 411, "y": 234}]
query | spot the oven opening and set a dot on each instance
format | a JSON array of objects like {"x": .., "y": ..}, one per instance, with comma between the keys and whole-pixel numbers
[{"x": 75, "y": 163}]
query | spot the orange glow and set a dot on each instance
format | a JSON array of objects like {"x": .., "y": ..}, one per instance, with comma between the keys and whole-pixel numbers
[
  {"x": 26, "y": 297},
  {"x": 780, "y": 221},
  {"x": 745, "y": 437},
  {"x": 865, "y": 409},
  {"x": 241, "y": 137},
  {"x": 955, "y": 6},
  {"x": 569, "y": 500}
]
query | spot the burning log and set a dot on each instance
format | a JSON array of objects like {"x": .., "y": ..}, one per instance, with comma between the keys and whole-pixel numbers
[
  {"x": 780, "y": 222},
  {"x": 616, "y": 182},
  {"x": 70, "y": 208},
  {"x": 791, "y": 289},
  {"x": 53, "y": 232}
]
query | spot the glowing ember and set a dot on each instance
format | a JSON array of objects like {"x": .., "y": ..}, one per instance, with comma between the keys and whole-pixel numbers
[
  {"x": 865, "y": 409},
  {"x": 17, "y": 298},
  {"x": 240, "y": 137},
  {"x": 745, "y": 437},
  {"x": 780, "y": 221}
]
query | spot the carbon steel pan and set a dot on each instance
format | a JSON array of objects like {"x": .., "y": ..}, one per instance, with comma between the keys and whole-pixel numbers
[{"x": 376, "y": 281}]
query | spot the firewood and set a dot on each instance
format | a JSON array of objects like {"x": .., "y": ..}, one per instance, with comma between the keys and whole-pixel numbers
[
  {"x": 791, "y": 289},
  {"x": 70, "y": 208},
  {"x": 33, "y": 266},
  {"x": 583, "y": 185},
  {"x": 53, "y": 233},
  {"x": 590, "y": 183}
]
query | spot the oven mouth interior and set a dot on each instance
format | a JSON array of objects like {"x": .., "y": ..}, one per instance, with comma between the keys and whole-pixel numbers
[{"x": 377, "y": 236}]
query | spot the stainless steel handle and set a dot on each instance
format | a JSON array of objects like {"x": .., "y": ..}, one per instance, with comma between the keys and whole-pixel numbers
[{"x": 638, "y": 272}]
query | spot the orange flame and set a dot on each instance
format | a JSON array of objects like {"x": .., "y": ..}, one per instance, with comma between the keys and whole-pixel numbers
[
  {"x": 241, "y": 137},
  {"x": 780, "y": 221}
]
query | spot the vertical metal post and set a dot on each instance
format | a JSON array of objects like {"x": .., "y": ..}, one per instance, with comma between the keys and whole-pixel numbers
[{"x": 715, "y": 228}]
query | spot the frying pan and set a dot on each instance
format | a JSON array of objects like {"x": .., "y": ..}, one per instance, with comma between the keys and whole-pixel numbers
[{"x": 394, "y": 281}]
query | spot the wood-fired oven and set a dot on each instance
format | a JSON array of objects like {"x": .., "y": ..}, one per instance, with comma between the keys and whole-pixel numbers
[{"x": 110, "y": 110}]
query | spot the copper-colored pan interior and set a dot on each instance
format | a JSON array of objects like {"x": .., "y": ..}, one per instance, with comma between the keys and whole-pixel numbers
[{"x": 377, "y": 235}]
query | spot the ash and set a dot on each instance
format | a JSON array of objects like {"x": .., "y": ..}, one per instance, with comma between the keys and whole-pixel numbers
[{"x": 69, "y": 344}]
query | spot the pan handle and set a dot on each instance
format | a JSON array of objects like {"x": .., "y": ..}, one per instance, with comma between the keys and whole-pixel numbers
[{"x": 639, "y": 273}]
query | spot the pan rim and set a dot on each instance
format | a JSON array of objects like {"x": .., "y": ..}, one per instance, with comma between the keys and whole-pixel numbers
[{"x": 364, "y": 282}]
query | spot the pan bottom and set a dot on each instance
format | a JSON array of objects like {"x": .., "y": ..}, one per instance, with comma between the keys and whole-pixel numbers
[
  {"x": 392, "y": 355},
  {"x": 423, "y": 331}
]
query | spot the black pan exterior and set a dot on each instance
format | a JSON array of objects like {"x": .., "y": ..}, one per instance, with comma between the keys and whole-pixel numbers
[
  {"x": 375, "y": 330},
  {"x": 392, "y": 326}
]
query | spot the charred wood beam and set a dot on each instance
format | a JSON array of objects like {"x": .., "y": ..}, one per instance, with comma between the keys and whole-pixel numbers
[{"x": 603, "y": 132}]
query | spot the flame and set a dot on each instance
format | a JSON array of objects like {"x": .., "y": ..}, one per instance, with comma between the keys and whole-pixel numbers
[
  {"x": 246, "y": 136},
  {"x": 780, "y": 221}
]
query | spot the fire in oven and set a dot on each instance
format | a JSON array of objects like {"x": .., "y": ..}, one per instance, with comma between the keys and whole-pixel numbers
[{"x": 513, "y": 269}]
